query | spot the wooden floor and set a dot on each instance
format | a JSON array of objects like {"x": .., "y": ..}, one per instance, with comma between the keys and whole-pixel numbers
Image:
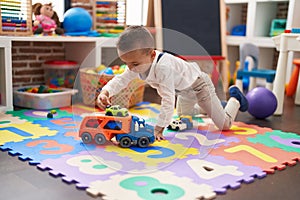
[{"x": 19, "y": 180}]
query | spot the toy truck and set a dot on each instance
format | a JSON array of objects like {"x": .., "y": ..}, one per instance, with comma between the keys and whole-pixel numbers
[{"x": 129, "y": 130}]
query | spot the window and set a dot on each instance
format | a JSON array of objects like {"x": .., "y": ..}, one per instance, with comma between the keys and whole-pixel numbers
[
  {"x": 113, "y": 125},
  {"x": 136, "y": 13},
  {"x": 93, "y": 123}
]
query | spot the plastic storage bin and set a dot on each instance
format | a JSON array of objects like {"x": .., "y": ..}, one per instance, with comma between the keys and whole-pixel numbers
[
  {"x": 60, "y": 73},
  {"x": 43, "y": 101}
]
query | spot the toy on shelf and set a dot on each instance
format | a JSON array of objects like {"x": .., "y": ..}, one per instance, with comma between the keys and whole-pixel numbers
[
  {"x": 46, "y": 20},
  {"x": 78, "y": 22},
  {"x": 128, "y": 130},
  {"x": 277, "y": 27},
  {"x": 15, "y": 17},
  {"x": 295, "y": 30},
  {"x": 181, "y": 124},
  {"x": 239, "y": 30},
  {"x": 227, "y": 17},
  {"x": 109, "y": 16}
]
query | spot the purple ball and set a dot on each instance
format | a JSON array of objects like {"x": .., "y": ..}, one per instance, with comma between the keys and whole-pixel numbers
[{"x": 262, "y": 102}]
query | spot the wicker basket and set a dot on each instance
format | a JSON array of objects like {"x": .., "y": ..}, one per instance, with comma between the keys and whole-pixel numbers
[{"x": 91, "y": 85}]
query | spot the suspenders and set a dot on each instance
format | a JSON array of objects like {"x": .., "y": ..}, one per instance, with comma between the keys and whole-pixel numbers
[{"x": 159, "y": 56}]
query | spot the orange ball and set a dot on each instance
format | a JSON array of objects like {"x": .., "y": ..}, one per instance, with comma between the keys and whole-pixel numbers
[{"x": 115, "y": 67}]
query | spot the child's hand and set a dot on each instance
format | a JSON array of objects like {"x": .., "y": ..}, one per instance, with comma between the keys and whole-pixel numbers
[
  {"x": 103, "y": 100},
  {"x": 158, "y": 133}
]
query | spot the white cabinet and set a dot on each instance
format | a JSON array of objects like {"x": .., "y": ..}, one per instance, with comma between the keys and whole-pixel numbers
[{"x": 257, "y": 15}]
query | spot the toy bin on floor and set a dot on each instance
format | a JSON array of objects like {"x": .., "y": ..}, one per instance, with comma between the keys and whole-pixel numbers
[
  {"x": 60, "y": 73},
  {"x": 52, "y": 98},
  {"x": 92, "y": 83}
]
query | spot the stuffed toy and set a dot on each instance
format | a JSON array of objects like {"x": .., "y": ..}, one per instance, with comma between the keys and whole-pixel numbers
[{"x": 46, "y": 20}]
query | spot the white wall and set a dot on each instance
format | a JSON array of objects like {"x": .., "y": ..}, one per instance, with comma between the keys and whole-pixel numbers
[{"x": 136, "y": 13}]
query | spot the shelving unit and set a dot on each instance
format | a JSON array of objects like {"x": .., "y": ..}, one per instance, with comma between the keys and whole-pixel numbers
[
  {"x": 257, "y": 15},
  {"x": 87, "y": 51},
  {"x": 109, "y": 16}
]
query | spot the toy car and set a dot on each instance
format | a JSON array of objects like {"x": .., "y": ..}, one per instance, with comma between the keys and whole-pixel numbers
[
  {"x": 183, "y": 123},
  {"x": 177, "y": 125},
  {"x": 116, "y": 110}
]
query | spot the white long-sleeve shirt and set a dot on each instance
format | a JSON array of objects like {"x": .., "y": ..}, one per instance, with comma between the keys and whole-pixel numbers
[{"x": 167, "y": 75}]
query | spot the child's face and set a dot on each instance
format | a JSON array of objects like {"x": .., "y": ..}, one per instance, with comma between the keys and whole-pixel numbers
[{"x": 138, "y": 61}]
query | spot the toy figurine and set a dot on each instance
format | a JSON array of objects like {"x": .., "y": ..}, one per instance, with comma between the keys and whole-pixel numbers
[{"x": 46, "y": 20}]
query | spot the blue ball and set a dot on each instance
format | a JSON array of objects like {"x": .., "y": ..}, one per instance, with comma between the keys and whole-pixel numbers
[
  {"x": 77, "y": 20},
  {"x": 108, "y": 71},
  {"x": 262, "y": 102}
]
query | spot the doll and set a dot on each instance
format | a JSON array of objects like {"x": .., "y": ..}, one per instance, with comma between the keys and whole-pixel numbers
[{"x": 46, "y": 20}]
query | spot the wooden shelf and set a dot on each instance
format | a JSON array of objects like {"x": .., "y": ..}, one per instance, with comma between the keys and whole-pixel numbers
[{"x": 259, "y": 41}]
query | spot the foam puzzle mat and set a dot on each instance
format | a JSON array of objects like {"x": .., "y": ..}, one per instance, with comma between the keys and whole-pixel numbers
[{"x": 197, "y": 163}]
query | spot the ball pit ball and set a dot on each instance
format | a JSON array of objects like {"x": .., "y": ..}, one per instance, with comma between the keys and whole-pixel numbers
[
  {"x": 115, "y": 67},
  {"x": 262, "y": 102},
  {"x": 112, "y": 70},
  {"x": 108, "y": 71},
  {"x": 77, "y": 20},
  {"x": 100, "y": 68}
]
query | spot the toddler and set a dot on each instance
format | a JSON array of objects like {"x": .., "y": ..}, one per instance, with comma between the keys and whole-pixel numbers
[{"x": 170, "y": 76}]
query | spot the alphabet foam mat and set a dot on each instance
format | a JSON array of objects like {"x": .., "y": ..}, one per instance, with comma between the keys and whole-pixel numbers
[{"x": 197, "y": 163}]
